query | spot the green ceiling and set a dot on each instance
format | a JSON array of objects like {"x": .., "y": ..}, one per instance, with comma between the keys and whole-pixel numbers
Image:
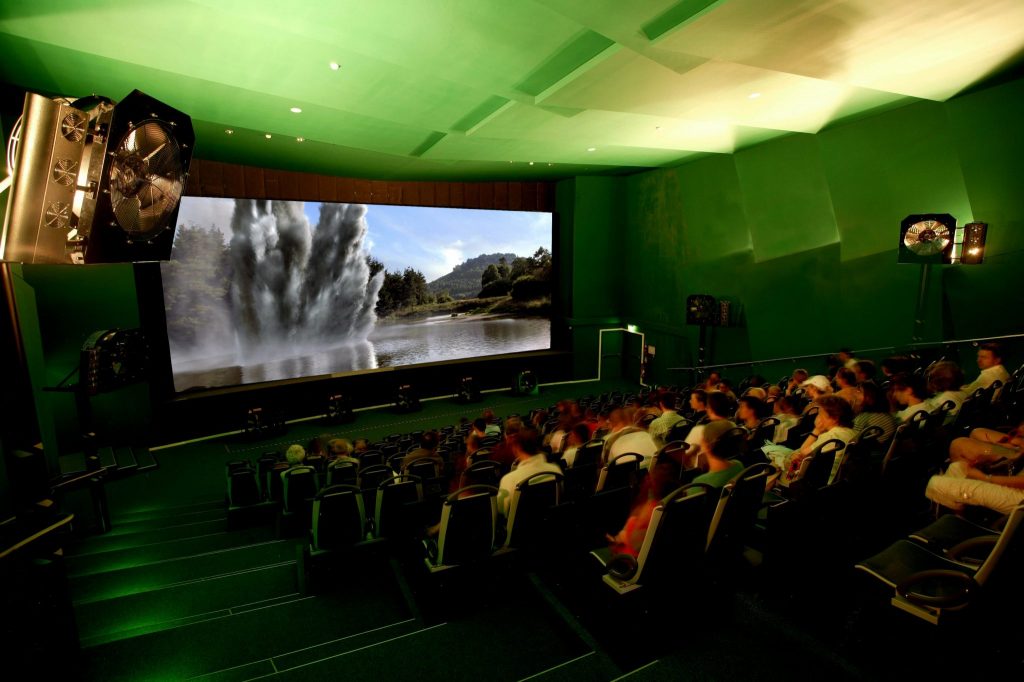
[{"x": 479, "y": 89}]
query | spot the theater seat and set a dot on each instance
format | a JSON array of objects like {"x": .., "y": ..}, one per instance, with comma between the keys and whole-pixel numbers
[
  {"x": 338, "y": 519},
  {"x": 620, "y": 472},
  {"x": 531, "y": 508},
  {"x": 467, "y": 532},
  {"x": 929, "y": 585},
  {"x": 673, "y": 546},
  {"x": 396, "y": 513},
  {"x": 243, "y": 486},
  {"x": 735, "y": 515}
]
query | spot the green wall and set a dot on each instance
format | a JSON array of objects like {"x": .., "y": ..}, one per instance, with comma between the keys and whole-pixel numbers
[{"x": 800, "y": 235}]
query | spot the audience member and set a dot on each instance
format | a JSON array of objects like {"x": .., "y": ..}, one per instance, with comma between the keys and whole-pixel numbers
[
  {"x": 846, "y": 359},
  {"x": 698, "y": 405},
  {"x": 427, "y": 450},
  {"x": 718, "y": 408},
  {"x": 987, "y": 446},
  {"x": 908, "y": 391},
  {"x": 990, "y": 362},
  {"x": 834, "y": 421},
  {"x": 714, "y": 378},
  {"x": 944, "y": 380},
  {"x": 316, "y": 447},
  {"x": 525, "y": 445},
  {"x": 720, "y": 471},
  {"x": 846, "y": 380},
  {"x": 964, "y": 484},
  {"x": 816, "y": 387},
  {"x": 579, "y": 435},
  {"x": 787, "y": 412},
  {"x": 864, "y": 370},
  {"x": 491, "y": 427},
  {"x": 360, "y": 445},
  {"x": 660, "y": 427},
  {"x": 624, "y": 437},
  {"x": 341, "y": 451},
  {"x": 874, "y": 411},
  {"x": 896, "y": 364},
  {"x": 659, "y": 483},
  {"x": 750, "y": 412},
  {"x": 295, "y": 455},
  {"x": 797, "y": 379}
]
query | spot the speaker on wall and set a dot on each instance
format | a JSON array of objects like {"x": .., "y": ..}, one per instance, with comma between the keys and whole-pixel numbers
[
  {"x": 701, "y": 309},
  {"x": 926, "y": 238}
]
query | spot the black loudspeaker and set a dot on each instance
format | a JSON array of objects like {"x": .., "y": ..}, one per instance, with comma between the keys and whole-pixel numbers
[
  {"x": 113, "y": 358},
  {"x": 339, "y": 409},
  {"x": 406, "y": 400},
  {"x": 468, "y": 391},
  {"x": 261, "y": 423},
  {"x": 701, "y": 309},
  {"x": 526, "y": 383},
  {"x": 927, "y": 238}
]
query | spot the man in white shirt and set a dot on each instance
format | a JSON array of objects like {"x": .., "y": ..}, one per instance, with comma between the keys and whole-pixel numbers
[
  {"x": 529, "y": 461},
  {"x": 660, "y": 427},
  {"x": 625, "y": 437},
  {"x": 990, "y": 362}
]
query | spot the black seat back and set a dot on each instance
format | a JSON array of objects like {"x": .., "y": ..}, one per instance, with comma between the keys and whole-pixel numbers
[
  {"x": 530, "y": 508},
  {"x": 396, "y": 511},
  {"x": 424, "y": 469},
  {"x": 342, "y": 473},
  {"x": 588, "y": 453},
  {"x": 243, "y": 486},
  {"x": 299, "y": 487},
  {"x": 468, "y": 520},
  {"x": 677, "y": 536},
  {"x": 371, "y": 458},
  {"x": 739, "y": 502},
  {"x": 679, "y": 431},
  {"x": 620, "y": 472},
  {"x": 484, "y": 472},
  {"x": 339, "y": 519}
]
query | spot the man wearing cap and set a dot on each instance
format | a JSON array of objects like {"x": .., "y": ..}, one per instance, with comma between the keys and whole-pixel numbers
[{"x": 816, "y": 387}]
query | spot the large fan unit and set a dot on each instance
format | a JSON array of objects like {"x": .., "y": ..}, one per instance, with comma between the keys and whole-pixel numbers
[
  {"x": 927, "y": 238},
  {"x": 94, "y": 181}
]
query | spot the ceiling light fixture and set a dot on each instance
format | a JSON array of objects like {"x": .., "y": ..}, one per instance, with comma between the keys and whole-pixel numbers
[
  {"x": 531, "y": 163},
  {"x": 229, "y": 131},
  {"x": 591, "y": 149},
  {"x": 754, "y": 95},
  {"x": 334, "y": 66},
  {"x": 300, "y": 139},
  {"x": 296, "y": 110},
  {"x": 268, "y": 136}
]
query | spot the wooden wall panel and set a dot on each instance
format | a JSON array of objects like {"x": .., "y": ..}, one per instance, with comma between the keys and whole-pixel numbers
[{"x": 215, "y": 179}]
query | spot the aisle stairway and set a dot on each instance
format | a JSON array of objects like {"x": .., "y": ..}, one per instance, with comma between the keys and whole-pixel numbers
[{"x": 172, "y": 594}]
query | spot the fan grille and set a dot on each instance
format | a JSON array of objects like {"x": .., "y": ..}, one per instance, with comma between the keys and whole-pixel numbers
[
  {"x": 146, "y": 180},
  {"x": 927, "y": 238}
]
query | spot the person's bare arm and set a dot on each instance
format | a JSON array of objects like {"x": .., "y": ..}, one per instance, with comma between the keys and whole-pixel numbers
[{"x": 1008, "y": 481}]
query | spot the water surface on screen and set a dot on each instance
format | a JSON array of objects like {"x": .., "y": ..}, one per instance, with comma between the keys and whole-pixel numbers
[{"x": 260, "y": 290}]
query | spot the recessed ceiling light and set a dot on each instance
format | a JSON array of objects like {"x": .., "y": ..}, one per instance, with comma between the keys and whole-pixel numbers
[
  {"x": 296, "y": 110},
  {"x": 531, "y": 163},
  {"x": 229, "y": 131},
  {"x": 268, "y": 136},
  {"x": 591, "y": 149},
  {"x": 551, "y": 164},
  {"x": 335, "y": 66},
  {"x": 300, "y": 139},
  {"x": 754, "y": 95}
]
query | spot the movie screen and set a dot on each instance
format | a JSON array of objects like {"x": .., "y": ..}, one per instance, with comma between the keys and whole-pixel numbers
[{"x": 262, "y": 290}]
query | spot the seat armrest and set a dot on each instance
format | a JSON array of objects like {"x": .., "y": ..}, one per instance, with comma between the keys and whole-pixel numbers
[
  {"x": 964, "y": 582},
  {"x": 957, "y": 552}
]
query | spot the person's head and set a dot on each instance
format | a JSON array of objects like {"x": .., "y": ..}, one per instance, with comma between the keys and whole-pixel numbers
[
  {"x": 316, "y": 446},
  {"x": 340, "y": 447},
  {"x": 472, "y": 442},
  {"x": 725, "y": 386},
  {"x": 698, "y": 400},
  {"x": 833, "y": 411},
  {"x": 513, "y": 425},
  {"x": 895, "y": 364},
  {"x": 990, "y": 354},
  {"x": 711, "y": 437},
  {"x": 756, "y": 392},
  {"x": 774, "y": 392},
  {"x": 844, "y": 355},
  {"x": 360, "y": 445},
  {"x": 817, "y": 386},
  {"x": 750, "y": 410},
  {"x": 526, "y": 442},
  {"x": 579, "y": 435},
  {"x": 719, "y": 405},
  {"x": 479, "y": 424},
  {"x": 617, "y": 419},
  {"x": 714, "y": 378},
  {"x": 428, "y": 440},
  {"x": 799, "y": 376},
  {"x": 846, "y": 377},
  {"x": 908, "y": 389},
  {"x": 945, "y": 376},
  {"x": 488, "y": 415},
  {"x": 786, "y": 405},
  {"x": 295, "y": 454},
  {"x": 864, "y": 370},
  {"x": 873, "y": 399},
  {"x": 667, "y": 401},
  {"x": 661, "y": 479}
]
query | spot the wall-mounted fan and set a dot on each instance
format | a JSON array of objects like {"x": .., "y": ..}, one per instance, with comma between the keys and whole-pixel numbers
[
  {"x": 927, "y": 238},
  {"x": 96, "y": 182}
]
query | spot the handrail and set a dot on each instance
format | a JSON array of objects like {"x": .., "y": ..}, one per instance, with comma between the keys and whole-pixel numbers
[{"x": 863, "y": 350}]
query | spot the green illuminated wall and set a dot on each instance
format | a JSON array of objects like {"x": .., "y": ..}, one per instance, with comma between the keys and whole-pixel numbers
[{"x": 800, "y": 234}]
